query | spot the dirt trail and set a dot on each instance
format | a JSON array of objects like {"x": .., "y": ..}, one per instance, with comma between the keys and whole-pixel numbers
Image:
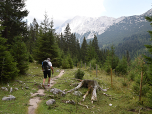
[{"x": 35, "y": 100}]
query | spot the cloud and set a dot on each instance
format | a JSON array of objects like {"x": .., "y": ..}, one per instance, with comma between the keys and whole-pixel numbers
[{"x": 61, "y": 10}]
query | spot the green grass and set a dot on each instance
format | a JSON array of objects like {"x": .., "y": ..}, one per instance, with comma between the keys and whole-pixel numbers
[
  {"x": 32, "y": 80},
  {"x": 122, "y": 98}
]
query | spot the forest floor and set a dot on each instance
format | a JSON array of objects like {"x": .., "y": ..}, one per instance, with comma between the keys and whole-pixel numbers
[{"x": 119, "y": 99}]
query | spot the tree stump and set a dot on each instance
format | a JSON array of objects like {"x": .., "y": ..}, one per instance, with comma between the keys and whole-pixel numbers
[{"x": 92, "y": 86}]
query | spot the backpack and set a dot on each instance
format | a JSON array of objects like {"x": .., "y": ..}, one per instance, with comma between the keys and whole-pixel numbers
[{"x": 45, "y": 65}]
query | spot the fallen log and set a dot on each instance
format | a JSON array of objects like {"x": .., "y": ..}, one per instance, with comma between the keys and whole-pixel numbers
[{"x": 92, "y": 86}]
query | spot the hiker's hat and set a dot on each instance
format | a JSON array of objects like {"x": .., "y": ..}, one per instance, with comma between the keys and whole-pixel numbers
[{"x": 48, "y": 59}]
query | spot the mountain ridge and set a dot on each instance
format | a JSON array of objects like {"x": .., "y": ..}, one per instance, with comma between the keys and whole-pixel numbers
[{"x": 106, "y": 27}]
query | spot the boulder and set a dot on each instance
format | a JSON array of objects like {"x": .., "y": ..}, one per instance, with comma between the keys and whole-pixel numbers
[
  {"x": 4, "y": 88},
  {"x": 77, "y": 93},
  {"x": 50, "y": 102},
  {"x": 10, "y": 97},
  {"x": 57, "y": 91}
]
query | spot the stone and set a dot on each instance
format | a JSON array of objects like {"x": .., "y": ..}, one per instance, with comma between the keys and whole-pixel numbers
[
  {"x": 10, "y": 97},
  {"x": 26, "y": 87},
  {"x": 4, "y": 88},
  {"x": 57, "y": 71},
  {"x": 70, "y": 102},
  {"x": 16, "y": 89},
  {"x": 77, "y": 93},
  {"x": 57, "y": 91},
  {"x": 50, "y": 102}
]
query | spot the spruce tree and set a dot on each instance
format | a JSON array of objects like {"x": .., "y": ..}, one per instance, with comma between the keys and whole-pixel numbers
[
  {"x": 8, "y": 69},
  {"x": 95, "y": 44},
  {"x": 46, "y": 46},
  {"x": 84, "y": 47},
  {"x": 20, "y": 54},
  {"x": 111, "y": 60},
  {"x": 67, "y": 37},
  {"x": 91, "y": 54},
  {"x": 12, "y": 13},
  {"x": 149, "y": 59}
]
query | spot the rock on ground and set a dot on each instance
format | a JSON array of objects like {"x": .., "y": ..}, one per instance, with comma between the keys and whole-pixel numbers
[
  {"x": 50, "y": 102},
  {"x": 10, "y": 97}
]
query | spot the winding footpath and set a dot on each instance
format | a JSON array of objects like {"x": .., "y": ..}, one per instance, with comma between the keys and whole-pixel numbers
[{"x": 33, "y": 103}]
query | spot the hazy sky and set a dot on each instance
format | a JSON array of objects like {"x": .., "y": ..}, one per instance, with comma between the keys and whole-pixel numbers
[{"x": 62, "y": 10}]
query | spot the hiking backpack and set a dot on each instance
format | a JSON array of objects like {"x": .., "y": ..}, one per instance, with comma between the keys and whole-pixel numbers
[{"x": 45, "y": 65}]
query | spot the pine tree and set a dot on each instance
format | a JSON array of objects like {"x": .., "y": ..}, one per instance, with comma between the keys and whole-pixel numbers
[
  {"x": 95, "y": 44},
  {"x": 46, "y": 46},
  {"x": 111, "y": 60},
  {"x": 84, "y": 47},
  {"x": 122, "y": 66},
  {"x": 91, "y": 54},
  {"x": 149, "y": 59},
  {"x": 12, "y": 13},
  {"x": 8, "y": 69},
  {"x": 67, "y": 37},
  {"x": 31, "y": 38},
  {"x": 20, "y": 54}
]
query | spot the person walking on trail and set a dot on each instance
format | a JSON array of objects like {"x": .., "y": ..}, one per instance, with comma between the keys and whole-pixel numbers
[{"x": 46, "y": 68}]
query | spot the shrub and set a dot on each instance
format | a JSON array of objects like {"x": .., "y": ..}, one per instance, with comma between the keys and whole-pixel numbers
[
  {"x": 149, "y": 96},
  {"x": 132, "y": 76},
  {"x": 79, "y": 74},
  {"x": 70, "y": 62},
  {"x": 65, "y": 64},
  {"x": 31, "y": 59}
]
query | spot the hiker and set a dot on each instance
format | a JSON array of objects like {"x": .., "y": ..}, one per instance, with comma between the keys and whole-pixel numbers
[{"x": 47, "y": 71}]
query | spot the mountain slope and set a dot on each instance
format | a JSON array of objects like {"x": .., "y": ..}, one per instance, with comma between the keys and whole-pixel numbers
[{"x": 109, "y": 30}]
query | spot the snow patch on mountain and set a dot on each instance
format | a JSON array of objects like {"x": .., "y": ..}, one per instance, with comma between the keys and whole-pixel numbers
[
  {"x": 82, "y": 25},
  {"x": 98, "y": 25}
]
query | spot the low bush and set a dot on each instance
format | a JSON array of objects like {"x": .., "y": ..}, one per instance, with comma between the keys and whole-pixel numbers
[{"x": 79, "y": 74}]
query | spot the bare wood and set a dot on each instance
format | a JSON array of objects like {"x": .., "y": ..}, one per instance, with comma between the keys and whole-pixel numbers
[
  {"x": 92, "y": 86},
  {"x": 86, "y": 94},
  {"x": 111, "y": 77},
  {"x": 83, "y": 105},
  {"x": 94, "y": 94},
  {"x": 96, "y": 70},
  {"x": 102, "y": 89},
  {"x": 80, "y": 84}
]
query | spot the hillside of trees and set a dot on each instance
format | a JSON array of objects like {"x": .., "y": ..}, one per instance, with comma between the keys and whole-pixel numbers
[{"x": 22, "y": 43}]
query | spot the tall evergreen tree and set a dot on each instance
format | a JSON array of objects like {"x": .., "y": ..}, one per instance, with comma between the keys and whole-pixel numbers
[
  {"x": 20, "y": 54},
  {"x": 46, "y": 45},
  {"x": 111, "y": 60},
  {"x": 32, "y": 36},
  {"x": 67, "y": 37},
  {"x": 12, "y": 13},
  {"x": 149, "y": 59},
  {"x": 91, "y": 54},
  {"x": 95, "y": 44},
  {"x": 8, "y": 69},
  {"x": 45, "y": 25},
  {"x": 84, "y": 47}
]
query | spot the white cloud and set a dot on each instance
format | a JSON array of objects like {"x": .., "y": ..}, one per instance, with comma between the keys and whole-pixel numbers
[{"x": 61, "y": 10}]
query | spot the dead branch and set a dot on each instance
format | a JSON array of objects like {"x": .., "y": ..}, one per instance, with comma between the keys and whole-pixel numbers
[{"x": 83, "y": 105}]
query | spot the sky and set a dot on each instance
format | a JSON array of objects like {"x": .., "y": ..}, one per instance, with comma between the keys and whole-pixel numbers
[{"x": 62, "y": 10}]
